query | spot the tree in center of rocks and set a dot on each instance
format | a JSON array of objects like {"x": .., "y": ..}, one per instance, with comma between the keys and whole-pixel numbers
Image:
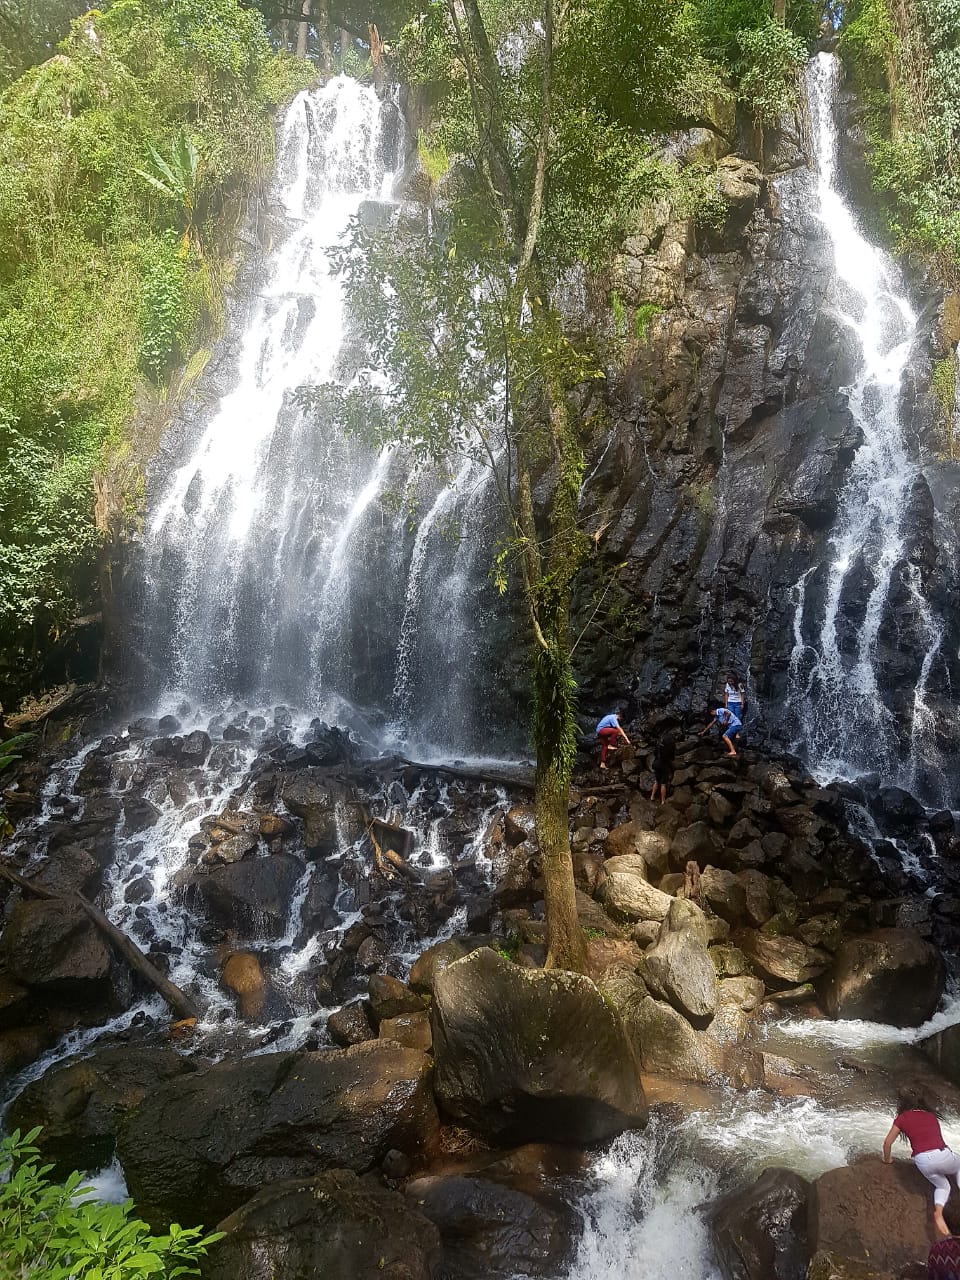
[{"x": 538, "y": 163}]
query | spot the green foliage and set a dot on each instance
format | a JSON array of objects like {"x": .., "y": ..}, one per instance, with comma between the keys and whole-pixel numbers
[
  {"x": 10, "y": 748},
  {"x": 643, "y": 318},
  {"x": 164, "y": 322},
  {"x": 905, "y": 63},
  {"x": 114, "y": 154},
  {"x": 945, "y": 390},
  {"x": 760, "y": 55},
  {"x": 772, "y": 58},
  {"x": 54, "y": 1231}
]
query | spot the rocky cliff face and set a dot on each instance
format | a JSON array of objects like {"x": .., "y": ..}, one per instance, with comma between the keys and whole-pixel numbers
[{"x": 713, "y": 490}]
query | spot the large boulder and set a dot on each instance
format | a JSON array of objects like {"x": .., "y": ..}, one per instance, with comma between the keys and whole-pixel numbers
[
  {"x": 662, "y": 1038},
  {"x": 784, "y": 961},
  {"x": 529, "y": 1054},
  {"x": 200, "y": 1145},
  {"x": 80, "y": 1105},
  {"x": 431, "y": 963},
  {"x": 53, "y": 946},
  {"x": 325, "y": 805},
  {"x": 627, "y": 895},
  {"x": 695, "y": 843},
  {"x": 725, "y": 893},
  {"x": 889, "y": 975},
  {"x": 680, "y": 970},
  {"x": 872, "y": 1212},
  {"x": 251, "y": 897},
  {"x": 496, "y": 1228},
  {"x": 389, "y": 997},
  {"x": 943, "y": 1049},
  {"x": 631, "y": 838},
  {"x": 760, "y": 1232},
  {"x": 327, "y": 1226}
]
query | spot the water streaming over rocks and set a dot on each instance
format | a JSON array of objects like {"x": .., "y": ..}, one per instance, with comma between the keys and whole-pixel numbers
[
  {"x": 872, "y": 583},
  {"x": 282, "y": 586}
]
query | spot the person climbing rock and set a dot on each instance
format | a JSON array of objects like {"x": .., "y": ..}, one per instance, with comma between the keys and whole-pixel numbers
[
  {"x": 728, "y": 724},
  {"x": 609, "y": 731},
  {"x": 943, "y": 1260},
  {"x": 664, "y": 754},
  {"x": 917, "y": 1122},
  {"x": 734, "y": 698}
]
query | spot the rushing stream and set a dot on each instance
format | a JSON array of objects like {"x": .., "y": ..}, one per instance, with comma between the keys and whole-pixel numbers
[{"x": 278, "y": 576}]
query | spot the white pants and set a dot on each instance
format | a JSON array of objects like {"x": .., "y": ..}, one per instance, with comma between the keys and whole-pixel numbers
[{"x": 939, "y": 1167}]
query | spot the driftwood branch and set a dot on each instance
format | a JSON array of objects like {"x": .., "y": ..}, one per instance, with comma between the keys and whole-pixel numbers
[{"x": 178, "y": 1000}]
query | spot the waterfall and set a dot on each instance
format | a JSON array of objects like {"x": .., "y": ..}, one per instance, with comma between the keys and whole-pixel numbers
[
  {"x": 249, "y": 542},
  {"x": 847, "y": 720}
]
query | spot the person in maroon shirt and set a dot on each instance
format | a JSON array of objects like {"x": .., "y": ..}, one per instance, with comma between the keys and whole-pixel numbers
[
  {"x": 917, "y": 1121},
  {"x": 943, "y": 1261}
]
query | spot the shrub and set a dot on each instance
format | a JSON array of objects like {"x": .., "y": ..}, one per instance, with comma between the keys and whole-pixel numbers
[{"x": 53, "y": 1231}]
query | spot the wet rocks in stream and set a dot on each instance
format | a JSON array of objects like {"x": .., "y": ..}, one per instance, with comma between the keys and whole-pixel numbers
[{"x": 201, "y": 1144}]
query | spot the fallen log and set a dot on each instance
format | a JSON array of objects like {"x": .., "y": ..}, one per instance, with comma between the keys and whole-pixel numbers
[
  {"x": 471, "y": 775},
  {"x": 178, "y": 1000}
]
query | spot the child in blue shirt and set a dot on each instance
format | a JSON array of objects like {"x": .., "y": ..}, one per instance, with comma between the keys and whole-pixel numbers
[{"x": 729, "y": 725}]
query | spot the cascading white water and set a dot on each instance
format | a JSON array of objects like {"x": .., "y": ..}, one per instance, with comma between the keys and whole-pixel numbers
[{"x": 847, "y": 726}]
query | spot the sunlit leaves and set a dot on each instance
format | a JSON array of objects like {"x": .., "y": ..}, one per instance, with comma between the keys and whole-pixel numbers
[{"x": 56, "y": 1231}]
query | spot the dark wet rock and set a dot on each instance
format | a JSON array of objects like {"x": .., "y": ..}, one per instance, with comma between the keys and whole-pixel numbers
[
  {"x": 525, "y": 1054},
  {"x": 888, "y": 975},
  {"x": 72, "y": 870},
  {"x": 195, "y": 747},
  {"x": 328, "y": 746},
  {"x": 332, "y": 1225},
  {"x": 519, "y": 824},
  {"x": 695, "y": 843},
  {"x": 725, "y": 893},
  {"x": 54, "y": 946},
  {"x": 96, "y": 773},
  {"x": 200, "y": 1145},
  {"x": 20, "y": 1046},
  {"x": 15, "y": 1002},
  {"x": 782, "y": 960},
  {"x": 898, "y": 811},
  {"x": 437, "y": 958},
  {"x": 411, "y": 1029},
  {"x": 517, "y": 881},
  {"x": 139, "y": 813},
  {"x": 943, "y": 1049},
  {"x": 253, "y": 896},
  {"x": 313, "y": 795},
  {"x": 138, "y": 890},
  {"x": 80, "y": 1105},
  {"x": 350, "y": 1025},
  {"x": 872, "y": 1212},
  {"x": 389, "y": 997},
  {"x": 497, "y": 1228},
  {"x": 760, "y": 1233}
]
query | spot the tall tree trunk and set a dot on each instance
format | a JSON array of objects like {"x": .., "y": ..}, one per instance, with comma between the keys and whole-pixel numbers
[
  {"x": 303, "y": 29},
  {"x": 322, "y": 26},
  {"x": 566, "y": 948},
  {"x": 780, "y": 11},
  {"x": 376, "y": 56}
]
